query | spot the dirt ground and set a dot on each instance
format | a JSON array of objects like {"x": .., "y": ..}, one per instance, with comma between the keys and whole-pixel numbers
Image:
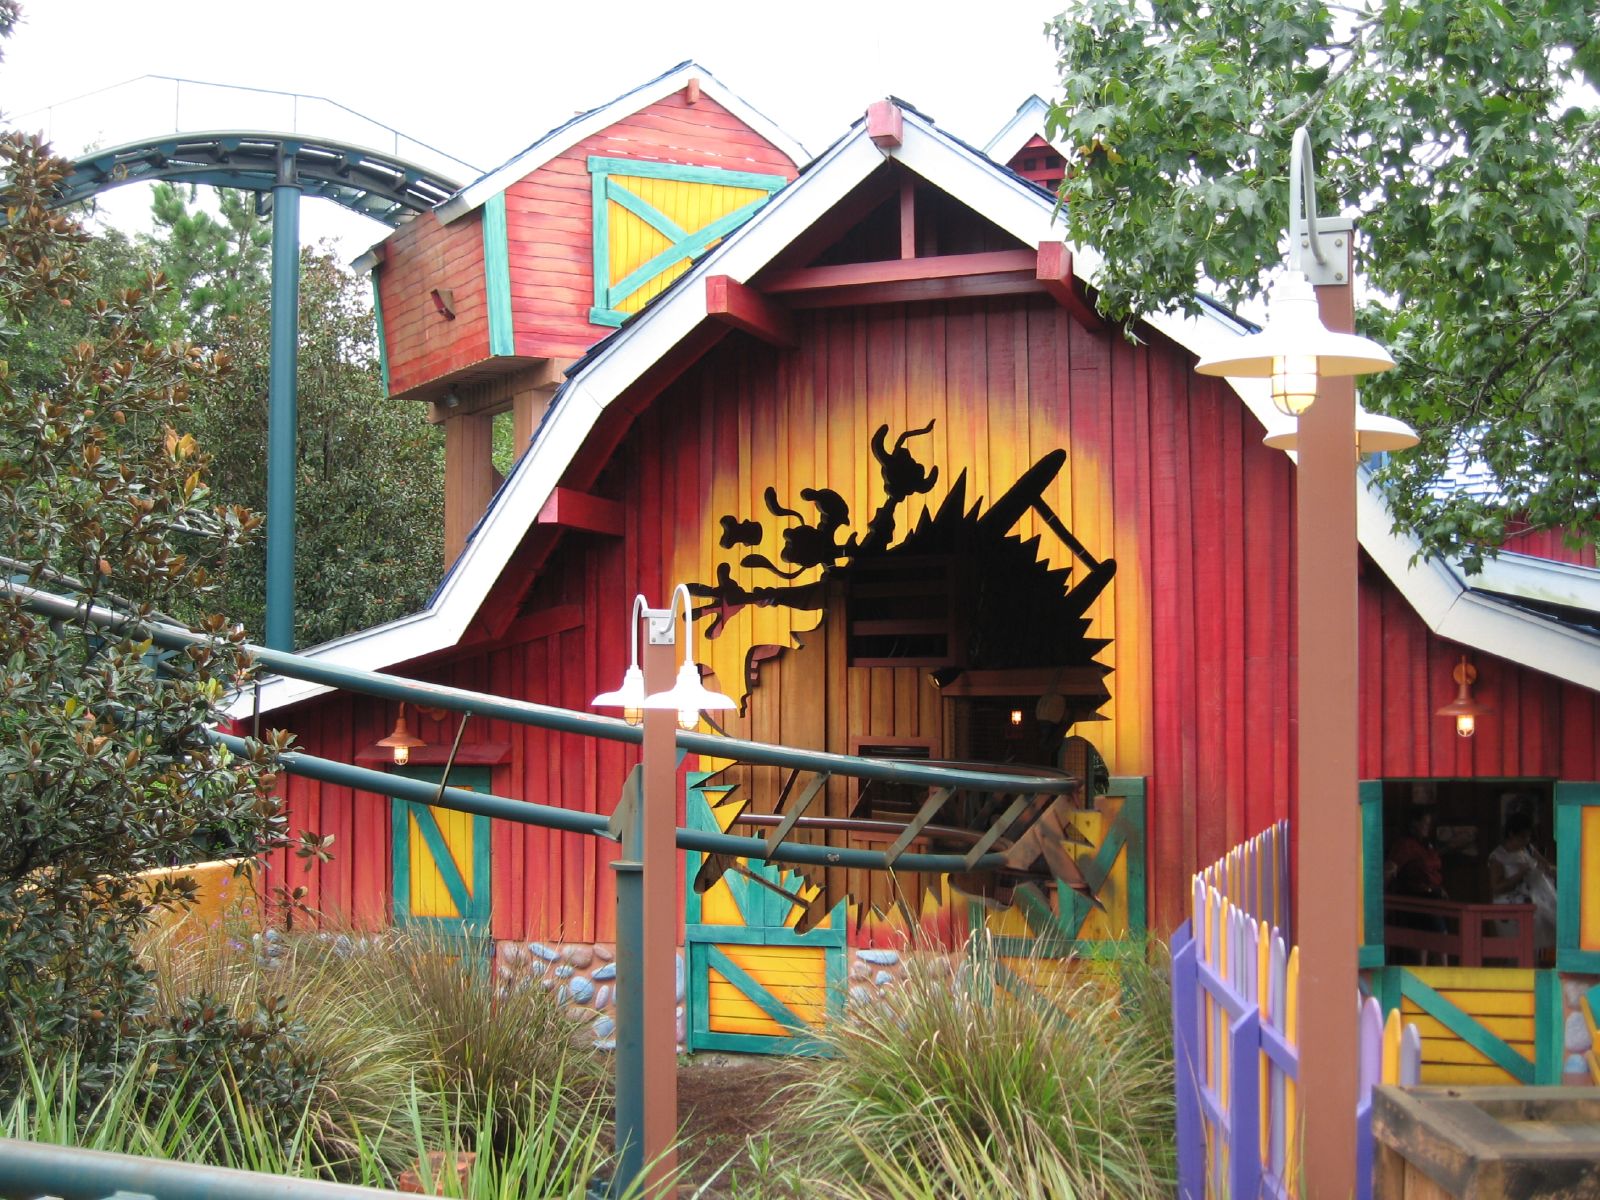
[{"x": 725, "y": 1099}]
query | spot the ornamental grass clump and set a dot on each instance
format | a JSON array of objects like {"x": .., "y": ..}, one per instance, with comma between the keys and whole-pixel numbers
[{"x": 947, "y": 1085}]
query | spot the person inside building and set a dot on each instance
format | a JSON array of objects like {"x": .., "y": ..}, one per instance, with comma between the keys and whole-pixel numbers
[
  {"x": 1519, "y": 874},
  {"x": 1415, "y": 869}
]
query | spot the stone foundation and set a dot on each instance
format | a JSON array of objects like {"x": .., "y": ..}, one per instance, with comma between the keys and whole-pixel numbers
[{"x": 584, "y": 977}]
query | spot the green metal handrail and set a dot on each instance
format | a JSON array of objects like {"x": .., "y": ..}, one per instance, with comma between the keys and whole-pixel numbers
[
  {"x": 569, "y": 721},
  {"x": 30, "y": 1169},
  {"x": 546, "y": 716}
]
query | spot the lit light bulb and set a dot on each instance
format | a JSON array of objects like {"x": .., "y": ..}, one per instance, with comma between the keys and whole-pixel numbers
[
  {"x": 633, "y": 716},
  {"x": 1016, "y": 716},
  {"x": 688, "y": 718},
  {"x": 1294, "y": 383},
  {"x": 1466, "y": 724},
  {"x": 402, "y": 755}
]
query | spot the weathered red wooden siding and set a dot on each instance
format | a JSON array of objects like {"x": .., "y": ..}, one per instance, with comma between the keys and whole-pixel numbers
[
  {"x": 549, "y": 214},
  {"x": 422, "y": 343},
  {"x": 1548, "y": 543},
  {"x": 1198, "y": 513}
]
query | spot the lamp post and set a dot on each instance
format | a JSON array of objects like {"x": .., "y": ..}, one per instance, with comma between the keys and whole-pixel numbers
[
  {"x": 647, "y": 892},
  {"x": 1309, "y": 350}
]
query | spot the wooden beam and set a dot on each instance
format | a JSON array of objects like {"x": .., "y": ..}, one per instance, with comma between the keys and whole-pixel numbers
[
  {"x": 910, "y": 291},
  {"x": 572, "y": 509},
  {"x": 547, "y": 622},
  {"x": 734, "y": 304},
  {"x": 1028, "y": 681},
  {"x": 896, "y": 270},
  {"x": 691, "y": 91},
  {"x": 908, "y": 217},
  {"x": 885, "y": 125},
  {"x": 1055, "y": 273}
]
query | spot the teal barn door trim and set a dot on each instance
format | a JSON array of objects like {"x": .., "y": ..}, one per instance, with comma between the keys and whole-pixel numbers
[
  {"x": 475, "y": 906},
  {"x": 1570, "y": 801},
  {"x": 765, "y": 913},
  {"x": 497, "y": 276}
]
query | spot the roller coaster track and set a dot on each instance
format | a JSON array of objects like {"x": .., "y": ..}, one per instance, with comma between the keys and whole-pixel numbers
[{"x": 382, "y": 186}]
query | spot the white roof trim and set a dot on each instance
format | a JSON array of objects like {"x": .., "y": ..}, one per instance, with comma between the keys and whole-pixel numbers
[
  {"x": 564, "y": 137},
  {"x": 1444, "y": 601},
  {"x": 1541, "y": 580},
  {"x": 1025, "y": 124}
]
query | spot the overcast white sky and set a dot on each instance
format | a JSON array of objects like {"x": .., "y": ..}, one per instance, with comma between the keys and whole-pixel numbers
[{"x": 481, "y": 79}]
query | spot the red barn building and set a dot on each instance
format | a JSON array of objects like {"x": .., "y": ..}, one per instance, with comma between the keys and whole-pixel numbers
[{"x": 1086, "y": 551}]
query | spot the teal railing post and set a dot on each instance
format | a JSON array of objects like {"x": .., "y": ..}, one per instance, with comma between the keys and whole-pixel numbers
[
  {"x": 281, "y": 414},
  {"x": 629, "y": 867}
]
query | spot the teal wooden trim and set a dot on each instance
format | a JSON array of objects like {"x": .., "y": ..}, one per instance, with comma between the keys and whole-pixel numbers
[
  {"x": 1570, "y": 801},
  {"x": 835, "y": 971},
  {"x": 497, "y": 275},
  {"x": 1549, "y": 1028},
  {"x": 383, "y": 344},
  {"x": 1132, "y": 789},
  {"x": 443, "y": 860},
  {"x": 1075, "y": 907},
  {"x": 684, "y": 174},
  {"x": 1464, "y": 1027},
  {"x": 697, "y": 815},
  {"x": 1578, "y": 962},
  {"x": 1369, "y": 793},
  {"x": 646, "y": 212},
  {"x": 697, "y": 996},
  {"x": 476, "y": 913},
  {"x": 600, "y": 227},
  {"x": 801, "y": 1045},
  {"x": 752, "y": 988},
  {"x": 605, "y": 316},
  {"x": 689, "y": 248},
  {"x": 400, "y": 850},
  {"x": 1369, "y": 956},
  {"x": 1385, "y": 983},
  {"x": 758, "y": 935}
]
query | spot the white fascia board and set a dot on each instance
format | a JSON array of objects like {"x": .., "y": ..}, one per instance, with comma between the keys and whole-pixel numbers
[
  {"x": 563, "y": 138},
  {"x": 1026, "y": 123},
  {"x": 1538, "y": 579}
]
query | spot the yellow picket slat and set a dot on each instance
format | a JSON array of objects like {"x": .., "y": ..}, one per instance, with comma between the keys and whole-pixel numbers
[{"x": 1481, "y": 1004}]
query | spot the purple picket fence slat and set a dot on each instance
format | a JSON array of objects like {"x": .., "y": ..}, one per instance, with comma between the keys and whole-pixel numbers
[{"x": 1234, "y": 1060}]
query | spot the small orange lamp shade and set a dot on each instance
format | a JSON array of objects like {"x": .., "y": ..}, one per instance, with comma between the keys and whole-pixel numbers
[
  {"x": 402, "y": 741},
  {"x": 1464, "y": 708}
]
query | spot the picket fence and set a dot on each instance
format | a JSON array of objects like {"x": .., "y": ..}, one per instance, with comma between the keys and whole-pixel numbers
[{"x": 1235, "y": 1010}]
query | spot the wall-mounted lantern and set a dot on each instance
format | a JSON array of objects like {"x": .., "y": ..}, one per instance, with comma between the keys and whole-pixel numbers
[
  {"x": 402, "y": 741},
  {"x": 1464, "y": 708}
]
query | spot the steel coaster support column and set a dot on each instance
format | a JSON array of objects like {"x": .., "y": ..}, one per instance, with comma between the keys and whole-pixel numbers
[
  {"x": 1328, "y": 824},
  {"x": 282, "y": 416}
]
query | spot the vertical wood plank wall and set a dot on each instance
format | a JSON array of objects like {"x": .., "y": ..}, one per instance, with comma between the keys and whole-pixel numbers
[
  {"x": 421, "y": 343},
  {"x": 1166, "y": 474}
]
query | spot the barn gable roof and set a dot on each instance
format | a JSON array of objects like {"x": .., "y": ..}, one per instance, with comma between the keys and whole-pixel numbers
[
  {"x": 573, "y": 131},
  {"x": 1446, "y": 603}
]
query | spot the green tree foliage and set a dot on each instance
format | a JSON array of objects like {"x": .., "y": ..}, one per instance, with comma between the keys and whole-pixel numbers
[
  {"x": 369, "y": 486},
  {"x": 1460, "y": 132},
  {"x": 105, "y": 766}
]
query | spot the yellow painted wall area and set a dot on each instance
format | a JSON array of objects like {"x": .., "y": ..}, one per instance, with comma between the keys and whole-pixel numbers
[
  {"x": 795, "y": 975},
  {"x": 634, "y": 241},
  {"x": 429, "y": 896},
  {"x": 812, "y": 427},
  {"x": 222, "y": 895},
  {"x": 1589, "y": 899},
  {"x": 1500, "y": 999}
]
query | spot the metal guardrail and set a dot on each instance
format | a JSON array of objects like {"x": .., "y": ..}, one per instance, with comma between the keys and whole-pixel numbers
[
  {"x": 564, "y": 720},
  {"x": 34, "y": 1169}
]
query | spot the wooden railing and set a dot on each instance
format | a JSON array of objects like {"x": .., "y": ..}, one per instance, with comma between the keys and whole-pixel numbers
[
  {"x": 1235, "y": 1006},
  {"x": 1466, "y": 934}
]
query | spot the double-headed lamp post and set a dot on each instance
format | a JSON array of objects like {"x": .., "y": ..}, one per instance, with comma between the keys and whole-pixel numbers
[
  {"x": 647, "y": 891},
  {"x": 1313, "y": 369}
]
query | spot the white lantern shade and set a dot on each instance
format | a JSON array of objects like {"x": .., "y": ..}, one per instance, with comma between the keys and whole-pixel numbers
[
  {"x": 1375, "y": 434},
  {"x": 1294, "y": 349},
  {"x": 689, "y": 696},
  {"x": 630, "y": 697}
]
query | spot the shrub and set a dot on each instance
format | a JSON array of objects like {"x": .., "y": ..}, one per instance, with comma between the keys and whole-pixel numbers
[{"x": 947, "y": 1086}]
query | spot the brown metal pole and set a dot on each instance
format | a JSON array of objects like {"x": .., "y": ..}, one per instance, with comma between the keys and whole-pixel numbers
[
  {"x": 658, "y": 1024},
  {"x": 1327, "y": 825}
]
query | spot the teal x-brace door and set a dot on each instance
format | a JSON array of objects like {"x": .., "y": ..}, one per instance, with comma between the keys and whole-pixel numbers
[{"x": 442, "y": 866}]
